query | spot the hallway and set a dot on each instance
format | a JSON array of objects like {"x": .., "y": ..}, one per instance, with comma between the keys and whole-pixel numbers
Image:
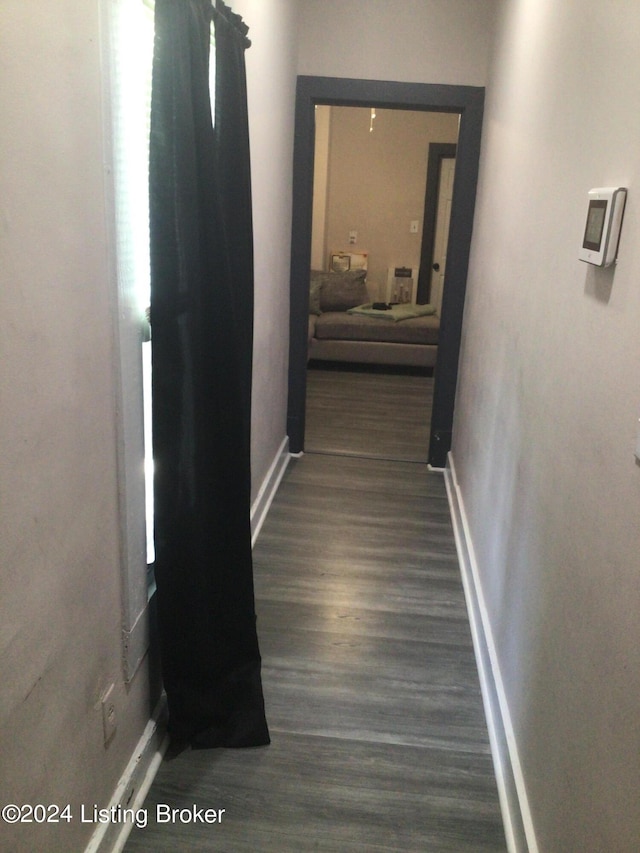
[{"x": 379, "y": 741}]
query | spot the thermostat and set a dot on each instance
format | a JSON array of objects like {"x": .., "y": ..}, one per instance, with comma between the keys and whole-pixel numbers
[{"x": 602, "y": 229}]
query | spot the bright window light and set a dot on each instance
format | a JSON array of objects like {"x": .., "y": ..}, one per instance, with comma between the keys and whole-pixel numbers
[
  {"x": 133, "y": 54},
  {"x": 133, "y": 50}
]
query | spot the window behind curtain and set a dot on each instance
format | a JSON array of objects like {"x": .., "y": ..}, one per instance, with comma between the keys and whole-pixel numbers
[
  {"x": 132, "y": 54},
  {"x": 132, "y": 42}
]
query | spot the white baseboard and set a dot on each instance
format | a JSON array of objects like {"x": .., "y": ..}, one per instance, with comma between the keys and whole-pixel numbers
[
  {"x": 268, "y": 489},
  {"x": 134, "y": 785},
  {"x": 516, "y": 813}
]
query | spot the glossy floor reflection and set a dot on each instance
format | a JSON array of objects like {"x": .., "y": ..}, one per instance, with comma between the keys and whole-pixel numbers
[
  {"x": 379, "y": 741},
  {"x": 384, "y": 415}
]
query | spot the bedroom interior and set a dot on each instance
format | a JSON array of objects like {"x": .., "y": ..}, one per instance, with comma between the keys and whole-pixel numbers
[{"x": 372, "y": 168}]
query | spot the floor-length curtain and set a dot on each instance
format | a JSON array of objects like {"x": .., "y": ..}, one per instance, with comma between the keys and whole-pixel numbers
[{"x": 201, "y": 319}]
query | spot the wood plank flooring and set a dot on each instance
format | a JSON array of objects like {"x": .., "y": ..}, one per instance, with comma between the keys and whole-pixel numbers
[
  {"x": 379, "y": 741},
  {"x": 381, "y": 415}
]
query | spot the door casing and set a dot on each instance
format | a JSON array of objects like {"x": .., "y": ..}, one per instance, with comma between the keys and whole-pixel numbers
[{"x": 468, "y": 102}]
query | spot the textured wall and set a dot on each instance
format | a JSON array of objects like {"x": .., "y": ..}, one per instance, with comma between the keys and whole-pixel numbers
[{"x": 547, "y": 414}]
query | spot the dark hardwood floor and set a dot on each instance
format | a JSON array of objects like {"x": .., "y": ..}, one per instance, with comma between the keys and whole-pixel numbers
[
  {"x": 379, "y": 741},
  {"x": 377, "y": 414}
]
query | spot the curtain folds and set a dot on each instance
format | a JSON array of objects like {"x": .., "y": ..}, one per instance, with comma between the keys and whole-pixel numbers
[{"x": 202, "y": 321}]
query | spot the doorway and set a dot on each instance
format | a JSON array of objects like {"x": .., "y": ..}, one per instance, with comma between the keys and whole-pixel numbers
[
  {"x": 373, "y": 196},
  {"x": 468, "y": 103}
]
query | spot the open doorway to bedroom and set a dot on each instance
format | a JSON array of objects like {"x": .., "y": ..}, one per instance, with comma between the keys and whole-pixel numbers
[
  {"x": 467, "y": 102},
  {"x": 370, "y": 209}
]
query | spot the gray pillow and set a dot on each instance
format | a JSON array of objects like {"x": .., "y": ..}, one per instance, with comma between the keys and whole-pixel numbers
[{"x": 340, "y": 291}]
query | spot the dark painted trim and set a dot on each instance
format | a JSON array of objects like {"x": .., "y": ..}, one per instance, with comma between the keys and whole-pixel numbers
[
  {"x": 437, "y": 152},
  {"x": 468, "y": 101}
]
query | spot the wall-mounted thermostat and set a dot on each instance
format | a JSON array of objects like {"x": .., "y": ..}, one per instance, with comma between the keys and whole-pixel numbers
[{"x": 602, "y": 228}]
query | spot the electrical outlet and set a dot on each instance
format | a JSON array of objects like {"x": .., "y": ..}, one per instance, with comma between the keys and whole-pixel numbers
[
  {"x": 353, "y": 237},
  {"x": 109, "y": 717}
]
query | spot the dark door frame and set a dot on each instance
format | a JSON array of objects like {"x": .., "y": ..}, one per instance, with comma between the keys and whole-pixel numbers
[
  {"x": 468, "y": 102},
  {"x": 437, "y": 153}
]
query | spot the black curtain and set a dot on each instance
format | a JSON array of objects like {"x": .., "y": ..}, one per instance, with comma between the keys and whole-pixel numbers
[{"x": 201, "y": 319}]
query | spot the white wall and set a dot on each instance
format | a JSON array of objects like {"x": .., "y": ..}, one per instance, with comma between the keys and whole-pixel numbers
[
  {"x": 60, "y": 600},
  {"x": 547, "y": 414},
  {"x": 413, "y": 41},
  {"x": 271, "y": 79}
]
